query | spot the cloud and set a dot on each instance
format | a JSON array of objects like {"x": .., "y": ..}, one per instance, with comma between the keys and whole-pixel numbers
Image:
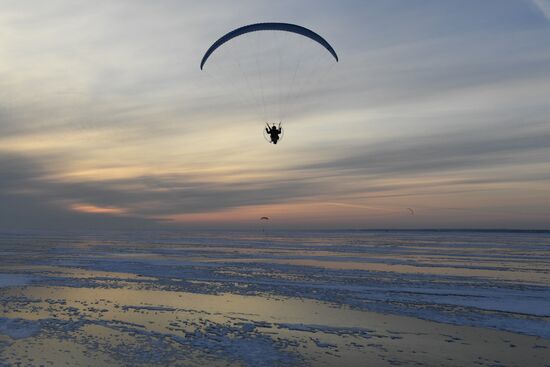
[
  {"x": 106, "y": 119},
  {"x": 544, "y": 7},
  {"x": 477, "y": 148},
  {"x": 94, "y": 209},
  {"x": 468, "y": 161},
  {"x": 30, "y": 201}
]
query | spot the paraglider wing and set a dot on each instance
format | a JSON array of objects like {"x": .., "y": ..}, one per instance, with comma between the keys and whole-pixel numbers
[
  {"x": 286, "y": 27},
  {"x": 264, "y": 218}
]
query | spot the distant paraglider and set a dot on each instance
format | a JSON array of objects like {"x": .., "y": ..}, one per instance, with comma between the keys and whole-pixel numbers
[
  {"x": 411, "y": 211},
  {"x": 264, "y": 218},
  {"x": 274, "y": 68}
]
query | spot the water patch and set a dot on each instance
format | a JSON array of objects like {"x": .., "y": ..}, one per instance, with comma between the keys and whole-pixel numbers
[
  {"x": 18, "y": 328},
  {"x": 14, "y": 280}
]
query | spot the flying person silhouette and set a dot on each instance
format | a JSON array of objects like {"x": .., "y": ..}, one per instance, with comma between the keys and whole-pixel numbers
[{"x": 274, "y": 132}]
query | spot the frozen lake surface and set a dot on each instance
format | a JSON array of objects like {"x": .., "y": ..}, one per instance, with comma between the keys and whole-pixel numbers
[{"x": 277, "y": 298}]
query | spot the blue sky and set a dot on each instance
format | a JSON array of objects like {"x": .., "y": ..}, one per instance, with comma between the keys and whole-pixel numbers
[{"x": 106, "y": 120}]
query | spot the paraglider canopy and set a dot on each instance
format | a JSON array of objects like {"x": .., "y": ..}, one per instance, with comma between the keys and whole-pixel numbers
[
  {"x": 286, "y": 27},
  {"x": 264, "y": 218}
]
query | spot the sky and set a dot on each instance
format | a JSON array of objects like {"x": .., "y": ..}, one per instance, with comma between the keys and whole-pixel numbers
[{"x": 107, "y": 121}]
